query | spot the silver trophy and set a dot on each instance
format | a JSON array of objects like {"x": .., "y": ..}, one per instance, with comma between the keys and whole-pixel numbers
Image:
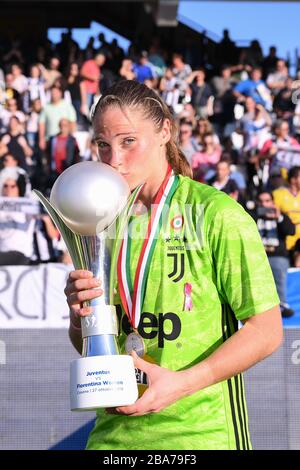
[{"x": 86, "y": 202}]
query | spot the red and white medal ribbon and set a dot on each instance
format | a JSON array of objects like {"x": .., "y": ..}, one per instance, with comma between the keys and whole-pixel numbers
[{"x": 133, "y": 302}]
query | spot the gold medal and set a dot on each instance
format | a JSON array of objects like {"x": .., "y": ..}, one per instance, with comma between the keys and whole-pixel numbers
[{"x": 134, "y": 342}]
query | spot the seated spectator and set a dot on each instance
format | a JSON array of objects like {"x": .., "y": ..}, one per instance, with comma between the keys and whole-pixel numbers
[
  {"x": 276, "y": 80},
  {"x": 288, "y": 202},
  {"x": 282, "y": 150},
  {"x": 15, "y": 142},
  {"x": 181, "y": 71},
  {"x": 10, "y": 92},
  {"x": 205, "y": 161},
  {"x": 203, "y": 127},
  {"x": 188, "y": 114},
  {"x": 201, "y": 94},
  {"x": 11, "y": 168},
  {"x": 35, "y": 89},
  {"x": 223, "y": 181},
  {"x": 283, "y": 104},
  {"x": 143, "y": 70},
  {"x": 274, "y": 228},
  {"x": 255, "y": 125},
  {"x": 126, "y": 70},
  {"x": 256, "y": 88},
  {"x": 186, "y": 143},
  {"x": 16, "y": 227},
  {"x": 32, "y": 124},
  {"x": 169, "y": 89},
  {"x": 52, "y": 73},
  {"x": 52, "y": 114},
  {"x": 10, "y": 111},
  {"x": 20, "y": 82},
  {"x": 62, "y": 150}
]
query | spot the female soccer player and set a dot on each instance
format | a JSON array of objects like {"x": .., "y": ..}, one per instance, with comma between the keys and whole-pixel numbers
[{"x": 205, "y": 270}]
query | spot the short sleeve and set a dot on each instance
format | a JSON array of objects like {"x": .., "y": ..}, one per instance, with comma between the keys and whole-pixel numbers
[
  {"x": 243, "y": 274},
  {"x": 42, "y": 116},
  {"x": 72, "y": 113}
]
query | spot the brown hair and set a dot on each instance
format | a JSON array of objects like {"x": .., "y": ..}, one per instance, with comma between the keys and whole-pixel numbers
[{"x": 134, "y": 95}]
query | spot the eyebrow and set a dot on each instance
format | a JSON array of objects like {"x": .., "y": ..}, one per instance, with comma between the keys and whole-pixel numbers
[{"x": 99, "y": 136}]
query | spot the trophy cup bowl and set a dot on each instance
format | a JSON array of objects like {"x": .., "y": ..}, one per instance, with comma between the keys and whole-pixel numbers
[{"x": 85, "y": 202}]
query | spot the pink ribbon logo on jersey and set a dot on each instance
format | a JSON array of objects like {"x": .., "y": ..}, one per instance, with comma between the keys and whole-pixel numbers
[{"x": 188, "y": 304}]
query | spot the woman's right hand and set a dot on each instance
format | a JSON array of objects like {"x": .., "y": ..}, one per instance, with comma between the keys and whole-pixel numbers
[{"x": 81, "y": 286}]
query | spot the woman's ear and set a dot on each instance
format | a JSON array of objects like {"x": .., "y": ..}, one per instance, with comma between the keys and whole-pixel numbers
[{"x": 166, "y": 131}]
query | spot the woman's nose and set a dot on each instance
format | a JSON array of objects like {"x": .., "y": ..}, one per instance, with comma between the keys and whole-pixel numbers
[{"x": 115, "y": 158}]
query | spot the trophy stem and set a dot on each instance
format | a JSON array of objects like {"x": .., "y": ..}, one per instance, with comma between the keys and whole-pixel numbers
[{"x": 100, "y": 345}]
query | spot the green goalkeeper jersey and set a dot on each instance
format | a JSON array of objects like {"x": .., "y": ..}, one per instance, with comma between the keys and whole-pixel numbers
[{"x": 208, "y": 270}]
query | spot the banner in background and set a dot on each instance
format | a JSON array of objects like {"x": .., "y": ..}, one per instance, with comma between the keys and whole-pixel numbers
[{"x": 33, "y": 296}]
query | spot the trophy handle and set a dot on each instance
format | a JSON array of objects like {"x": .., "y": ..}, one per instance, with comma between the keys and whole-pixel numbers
[{"x": 71, "y": 239}]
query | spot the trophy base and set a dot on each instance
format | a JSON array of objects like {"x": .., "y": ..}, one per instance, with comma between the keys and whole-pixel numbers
[{"x": 102, "y": 382}]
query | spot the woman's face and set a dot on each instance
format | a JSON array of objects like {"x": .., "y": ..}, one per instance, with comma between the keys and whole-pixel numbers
[
  {"x": 74, "y": 70},
  {"x": 34, "y": 72},
  {"x": 131, "y": 144},
  {"x": 10, "y": 188}
]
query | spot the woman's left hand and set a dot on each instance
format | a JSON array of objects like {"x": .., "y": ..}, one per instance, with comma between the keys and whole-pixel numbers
[{"x": 165, "y": 388}]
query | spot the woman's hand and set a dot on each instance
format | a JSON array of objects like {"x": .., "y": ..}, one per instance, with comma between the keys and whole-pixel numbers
[
  {"x": 81, "y": 286},
  {"x": 165, "y": 388}
]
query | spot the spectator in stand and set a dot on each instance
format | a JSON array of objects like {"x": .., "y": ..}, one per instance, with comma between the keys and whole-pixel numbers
[
  {"x": 274, "y": 228},
  {"x": 169, "y": 89},
  {"x": 35, "y": 89},
  {"x": 143, "y": 70},
  {"x": 188, "y": 114},
  {"x": 287, "y": 199},
  {"x": 204, "y": 162},
  {"x": 52, "y": 114},
  {"x": 254, "y": 54},
  {"x": 62, "y": 150},
  {"x": 77, "y": 91},
  {"x": 186, "y": 144},
  {"x": 223, "y": 107},
  {"x": 269, "y": 63},
  {"x": 181, "y": 71},
  {"x": 126, "y": 71},
  {"x": 282, "y": 150},
  {"x": 20, "y": 82},
  {"x": 16, "y": 228},
  {"x": 201, "y": 94},
  {"x": 89, "y": 52},
  {"x": 32, "y": 124},
  {"x": 10, "y": 111},
  {"x": 52, "y": 73},
  {"x": 10, "y": 92},
  {"x": 203, "y": 127},
  {"x": 90, "y": 73},
  {"x": 15, "y": 142},
  {"x": 255, "y": 124},
  {"x": 11, "y": 168},
  {"x": 276, "y": 80},
  {"x": 226, "y": 49},
  {"x": 157, "y": 60},
  {"x": 283, "y": 104},
  {"x": 254, "y": 87},
  {"x": 223, "y": 181}
]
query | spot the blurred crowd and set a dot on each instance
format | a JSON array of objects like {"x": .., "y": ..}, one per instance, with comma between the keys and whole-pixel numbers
[{"x": 238, "y": 126}]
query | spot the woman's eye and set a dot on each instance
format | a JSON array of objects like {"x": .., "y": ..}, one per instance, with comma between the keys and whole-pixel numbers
[
  {"x": 102, "y": 145},
  {"x": 129, "y": 141}
]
